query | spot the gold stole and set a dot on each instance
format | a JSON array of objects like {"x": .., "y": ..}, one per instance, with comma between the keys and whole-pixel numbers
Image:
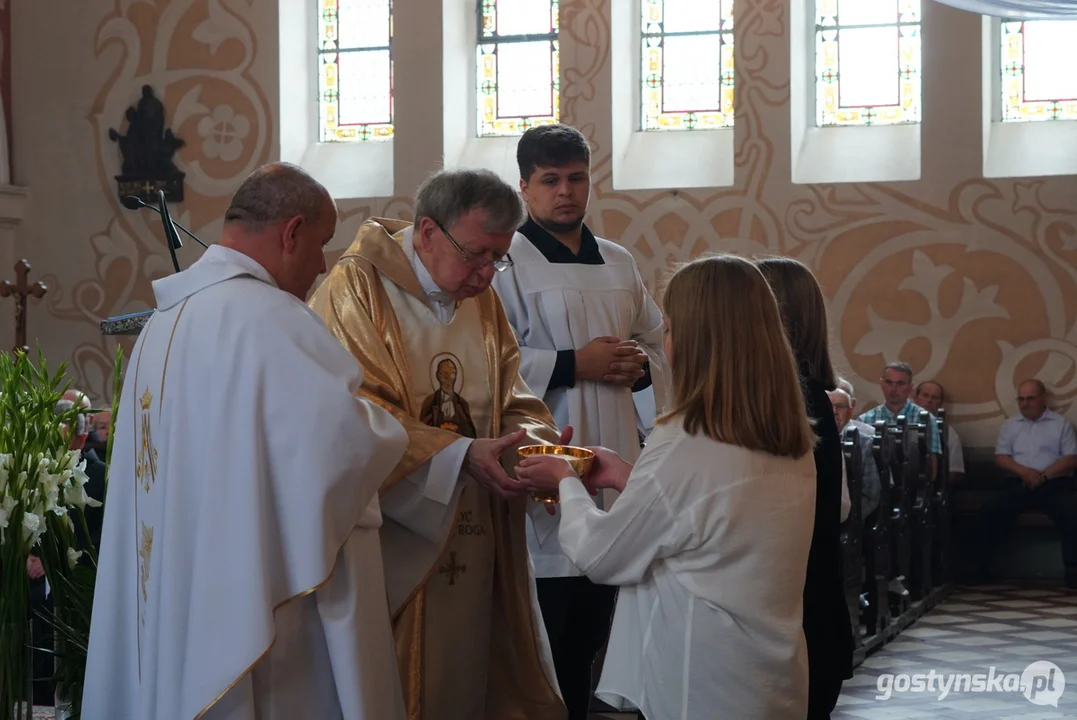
[
  {"x": 451, "y": 386},
  {"x": 355, "y": 305}
]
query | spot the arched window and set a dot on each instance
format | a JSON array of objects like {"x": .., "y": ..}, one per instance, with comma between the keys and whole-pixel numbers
[
  {"x": 517, "y": 66},
  {"x": 867, "y": 62},
  {"x": 355, "y": 70},
  {"x": 1039, "y": 80},
  {"x": 687, "y": 71}
]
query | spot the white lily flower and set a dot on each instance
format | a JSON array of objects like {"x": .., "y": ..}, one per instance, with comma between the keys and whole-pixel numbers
[
  {"x": 5, "y": 464},
  {"x": 50, "y": 489},
  {"x": 75, "y": 496},
  {"x": 32, "y": 527},
  {"x": 73, "y": 557},
  {"x": 6, "y": 506}
]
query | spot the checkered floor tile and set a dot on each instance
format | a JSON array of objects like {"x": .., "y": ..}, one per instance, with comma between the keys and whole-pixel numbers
[{"x": 999, "y": 629}]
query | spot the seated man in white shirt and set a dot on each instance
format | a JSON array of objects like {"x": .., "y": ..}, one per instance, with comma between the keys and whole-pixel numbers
[
  {"x": 930, "y": 396},
  {"x": 1038, "y": 449},
  {"x": 847, "y": 388}
]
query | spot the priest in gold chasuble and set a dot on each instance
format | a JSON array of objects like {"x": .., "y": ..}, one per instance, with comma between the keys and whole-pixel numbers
[{"x": 413, "y": 304}]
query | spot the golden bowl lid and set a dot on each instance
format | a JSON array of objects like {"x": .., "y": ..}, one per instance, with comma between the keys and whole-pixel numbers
[{"x": 559, "y": 450}]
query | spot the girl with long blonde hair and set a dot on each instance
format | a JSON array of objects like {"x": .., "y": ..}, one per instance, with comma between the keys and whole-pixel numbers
[{"x": 709, "y": 537}]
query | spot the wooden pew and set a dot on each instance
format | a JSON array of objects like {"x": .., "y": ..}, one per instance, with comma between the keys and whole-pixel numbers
[
  {"x": 877, "y": 538},
  {"x": 910, "y": 530},
  {"x": 942, "y": 509},
  {"x": 852, "y": 530},
  {"x": 903, "y": 469},
  {"x": 921, "y": 515}
]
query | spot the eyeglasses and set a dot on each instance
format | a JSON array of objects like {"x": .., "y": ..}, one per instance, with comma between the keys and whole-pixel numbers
[{"x": 472, "y": 259}]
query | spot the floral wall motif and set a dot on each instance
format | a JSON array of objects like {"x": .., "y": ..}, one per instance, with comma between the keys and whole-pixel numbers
[{"x": 972, "y": 281}]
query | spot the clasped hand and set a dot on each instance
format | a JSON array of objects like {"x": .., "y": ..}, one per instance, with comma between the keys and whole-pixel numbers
[
  {"x": 610, "y": 360},
  {"x": 1031, "y": 477}
]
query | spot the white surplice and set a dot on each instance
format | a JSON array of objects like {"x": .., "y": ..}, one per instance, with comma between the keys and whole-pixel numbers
[
  {"x": 709, "y": 543},
  {"x": 563, "y": 306},
  {"x": 240, "y": 573}
]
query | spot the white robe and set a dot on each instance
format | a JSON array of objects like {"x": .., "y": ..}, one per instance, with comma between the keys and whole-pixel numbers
[
  {"x": 240, "y": 573},
  {"x": 563, "y": 306},
  {"x": 709, "y": 543}
]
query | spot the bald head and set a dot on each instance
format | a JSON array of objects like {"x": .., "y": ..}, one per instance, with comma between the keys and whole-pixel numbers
[
  {"x": 274, "y": 193},
  {"x": 76, "y": 400},
  {"x": 77, "y": 397},
  {"x": 282, "y": 218},
  {"x": 1032, "y": 398}
]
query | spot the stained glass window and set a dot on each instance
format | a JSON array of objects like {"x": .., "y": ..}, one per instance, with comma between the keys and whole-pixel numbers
[
  {"x": 687, "y": 72},
  {"x": 518, "y": 70},
  {"x": 867, "y": 62},
  {"x": 1038, "y": 78},
  {"x": 355, "y": 70}
]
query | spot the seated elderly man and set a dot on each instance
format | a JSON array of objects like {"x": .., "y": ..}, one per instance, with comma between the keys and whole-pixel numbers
[
  {"x": 871, "y": 487},
  {"x": 1038, "y": 450},
  {"x": 930, "y": 396}
]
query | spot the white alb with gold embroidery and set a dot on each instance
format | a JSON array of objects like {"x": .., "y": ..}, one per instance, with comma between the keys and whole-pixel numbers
[{"x": 240, "y": 572}]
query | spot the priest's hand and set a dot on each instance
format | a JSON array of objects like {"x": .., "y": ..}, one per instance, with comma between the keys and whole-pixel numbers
[
  {"x": 609, "y": 470},
  {"x": 483, "y": 462}
]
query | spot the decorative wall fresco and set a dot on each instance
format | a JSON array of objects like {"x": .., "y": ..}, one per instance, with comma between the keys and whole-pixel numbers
[{"x": 972, "y": 281}]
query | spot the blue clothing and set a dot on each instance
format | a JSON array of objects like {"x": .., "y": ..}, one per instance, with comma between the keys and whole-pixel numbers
[{"x": 911, "y": 411}]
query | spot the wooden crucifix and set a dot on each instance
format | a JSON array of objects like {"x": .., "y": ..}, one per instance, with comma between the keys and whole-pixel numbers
[{"x": 20, "y": 290}]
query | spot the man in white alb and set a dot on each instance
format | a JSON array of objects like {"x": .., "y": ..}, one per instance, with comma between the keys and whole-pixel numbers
[
  {"x": 240, "y": 573},
  {"x": 589, "y": 336}
]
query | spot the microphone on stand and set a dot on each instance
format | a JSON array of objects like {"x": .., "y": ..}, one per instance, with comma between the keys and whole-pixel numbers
[
  {"x": 132, "y": 202},
  {"x": 170, "y": 231}
]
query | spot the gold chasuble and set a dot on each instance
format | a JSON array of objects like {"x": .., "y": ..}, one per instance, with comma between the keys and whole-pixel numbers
[{"x": 469, "y": 637}]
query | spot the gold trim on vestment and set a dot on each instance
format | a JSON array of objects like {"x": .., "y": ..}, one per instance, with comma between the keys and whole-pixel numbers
[
  {"x": 136, "y": 446},
  {"x": 356, "y": 308},
  {"x": 168, "y": 351},
  {"x": 273, "y": 642}
]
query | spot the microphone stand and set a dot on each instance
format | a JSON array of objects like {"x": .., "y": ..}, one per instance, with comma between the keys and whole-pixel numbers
[
  {"x": 170, "y": 230},
  {"x": 131, "y": 202}
]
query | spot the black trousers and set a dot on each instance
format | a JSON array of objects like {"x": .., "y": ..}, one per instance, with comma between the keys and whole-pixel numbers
[
  {"x": 1056, "y": 498},
  {"x": 577, "y": 614}
]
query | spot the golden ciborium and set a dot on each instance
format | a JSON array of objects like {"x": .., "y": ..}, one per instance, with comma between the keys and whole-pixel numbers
[{"x": 581, "y": 460}]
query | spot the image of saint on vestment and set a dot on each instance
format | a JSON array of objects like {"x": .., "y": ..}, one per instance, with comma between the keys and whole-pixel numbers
[{"x": 445, "y": 407}]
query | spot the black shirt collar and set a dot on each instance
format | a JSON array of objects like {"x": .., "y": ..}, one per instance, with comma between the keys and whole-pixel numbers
[{"x": 556, "y": 252}]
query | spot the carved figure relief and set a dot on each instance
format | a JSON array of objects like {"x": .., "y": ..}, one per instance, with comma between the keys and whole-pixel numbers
[{"x": 147, "y": 151}]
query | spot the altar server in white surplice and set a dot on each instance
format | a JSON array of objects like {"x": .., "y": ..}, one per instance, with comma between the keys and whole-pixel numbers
[
  {"x": 241, "y": 572},
  {"x": 590, "y": 340},
  {"x": 710, "y": 535}
]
